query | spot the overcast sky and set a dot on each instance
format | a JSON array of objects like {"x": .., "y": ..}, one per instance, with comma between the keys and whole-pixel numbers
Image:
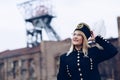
[{"x": 68, "y": 14}]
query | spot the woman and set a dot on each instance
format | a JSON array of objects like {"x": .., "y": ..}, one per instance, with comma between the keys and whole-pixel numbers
[{"x": 81, "y": 61}]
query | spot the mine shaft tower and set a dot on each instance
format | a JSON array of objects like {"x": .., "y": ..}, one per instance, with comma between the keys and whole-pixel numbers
[{"x": 38, "y": 15}]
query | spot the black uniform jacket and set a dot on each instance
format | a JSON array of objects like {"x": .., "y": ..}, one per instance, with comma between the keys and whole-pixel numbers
[{"x": 78, "y": 67}]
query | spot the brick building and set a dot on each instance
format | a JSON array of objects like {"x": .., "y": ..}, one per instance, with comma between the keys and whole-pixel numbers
[{"x": 37, "y": 63}]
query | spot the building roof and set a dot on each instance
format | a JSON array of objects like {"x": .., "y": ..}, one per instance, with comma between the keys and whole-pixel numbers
[{"x": 18, "y": 52}]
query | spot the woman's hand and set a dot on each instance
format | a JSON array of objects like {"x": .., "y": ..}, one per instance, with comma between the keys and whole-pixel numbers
[{"x": 92, "y": 38}]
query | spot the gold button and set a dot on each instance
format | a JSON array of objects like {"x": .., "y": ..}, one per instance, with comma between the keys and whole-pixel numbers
[
  {"x": 78, "y": 64},
  {"x": 79, "y": 69},
  {"x": 68, "y": 73},
  {"x": 67, "y": 70},
  {"x": 78, "y": 56},
  {"x": 81, "y": 79},
  {"x": 78, "y": 60},
  {"x": 67, "y": 66},
  {"x": 91, "y": 63},
  {"x": 91, "y": 59},
  {"x": 80, "y": 74}
]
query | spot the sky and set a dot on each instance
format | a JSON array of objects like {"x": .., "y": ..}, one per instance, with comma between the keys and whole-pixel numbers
[
  {"x": 100, "y": 15},
  {"x": 12, "y": 27}
]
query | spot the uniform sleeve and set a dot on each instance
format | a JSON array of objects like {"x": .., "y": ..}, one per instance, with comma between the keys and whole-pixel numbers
[
  {"x": 108, "y": 50},
  {"x": 62, "y": 74}
]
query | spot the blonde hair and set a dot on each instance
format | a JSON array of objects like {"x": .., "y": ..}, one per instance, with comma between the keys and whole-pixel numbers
[{"x": 85, "y": 45}]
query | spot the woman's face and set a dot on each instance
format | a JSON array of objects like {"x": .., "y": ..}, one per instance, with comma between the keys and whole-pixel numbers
[{"x": 77, "y": 38}]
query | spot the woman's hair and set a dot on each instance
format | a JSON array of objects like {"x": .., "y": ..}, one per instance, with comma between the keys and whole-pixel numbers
[{"x": 85, "y": 45}]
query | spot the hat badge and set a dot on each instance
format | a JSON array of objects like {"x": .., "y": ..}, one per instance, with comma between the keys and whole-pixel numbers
[{"x": 80, "y": 26}]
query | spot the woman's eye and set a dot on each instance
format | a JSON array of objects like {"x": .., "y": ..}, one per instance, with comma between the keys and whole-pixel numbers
[{"x": 76, "y": 34}]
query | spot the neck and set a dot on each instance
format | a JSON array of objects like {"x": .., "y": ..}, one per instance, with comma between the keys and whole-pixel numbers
[{"x": 78, "y": 47}]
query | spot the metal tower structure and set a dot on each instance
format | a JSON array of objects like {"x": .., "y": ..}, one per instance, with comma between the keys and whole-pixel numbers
[{"x": 38, "y": 15}]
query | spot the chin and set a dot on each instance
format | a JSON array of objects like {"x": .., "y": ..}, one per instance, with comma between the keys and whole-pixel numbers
[{"x": 76, "y": 44}]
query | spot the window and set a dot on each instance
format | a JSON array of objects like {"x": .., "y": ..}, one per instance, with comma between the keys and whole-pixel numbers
[{"x": 15, "y": 69}]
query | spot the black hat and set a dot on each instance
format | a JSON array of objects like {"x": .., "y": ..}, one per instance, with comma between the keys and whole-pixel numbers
[{"x": 85, "y": 29}]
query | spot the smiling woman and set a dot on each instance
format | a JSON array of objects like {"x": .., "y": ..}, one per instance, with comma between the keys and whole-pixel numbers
[{"x": 81, "y": 61}]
